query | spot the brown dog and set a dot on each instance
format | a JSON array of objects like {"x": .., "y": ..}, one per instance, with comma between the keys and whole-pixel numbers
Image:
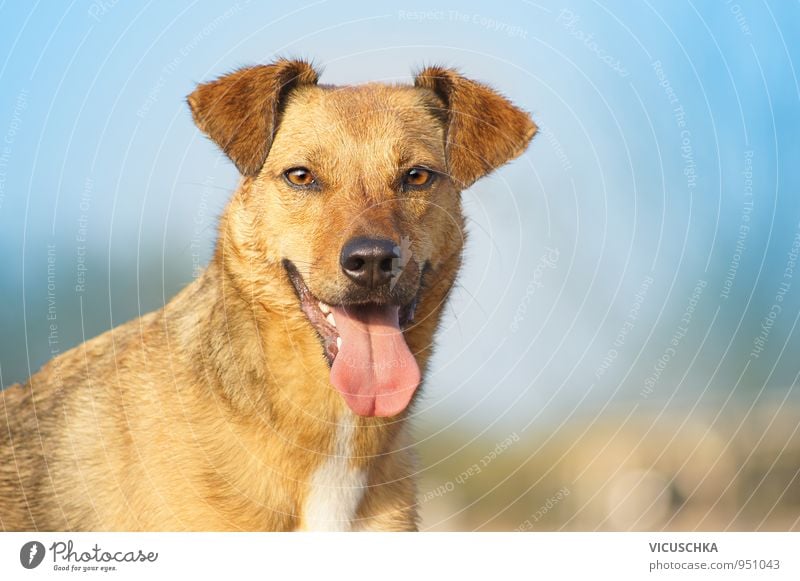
[{"x": 272, "y": 392}]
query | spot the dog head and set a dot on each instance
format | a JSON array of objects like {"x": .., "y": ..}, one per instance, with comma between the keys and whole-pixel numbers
[{"x": 351, "y": 199}]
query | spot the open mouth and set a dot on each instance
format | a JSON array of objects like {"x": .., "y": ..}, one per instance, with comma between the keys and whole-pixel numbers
[{"x": 371, "y": 364}]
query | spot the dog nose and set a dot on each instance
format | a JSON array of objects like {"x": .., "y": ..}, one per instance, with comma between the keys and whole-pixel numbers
[{"x": 368, "y": 261}]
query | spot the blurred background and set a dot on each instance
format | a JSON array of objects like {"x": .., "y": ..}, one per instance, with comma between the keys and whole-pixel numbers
[{"x": 621, "y": 352}]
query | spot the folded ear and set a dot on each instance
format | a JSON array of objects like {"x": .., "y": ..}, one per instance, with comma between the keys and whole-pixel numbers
[
  {"x": 241, "y": 110},
  {"x": 484, "y": 130}
]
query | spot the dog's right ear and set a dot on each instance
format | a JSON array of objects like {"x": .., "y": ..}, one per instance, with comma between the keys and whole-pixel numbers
[{"x": 241, "y": 110}]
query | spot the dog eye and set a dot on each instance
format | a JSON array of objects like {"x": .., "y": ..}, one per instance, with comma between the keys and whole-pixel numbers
[
  {"x": 417, "y": 177},
  {"x": 299, "y": 176}
]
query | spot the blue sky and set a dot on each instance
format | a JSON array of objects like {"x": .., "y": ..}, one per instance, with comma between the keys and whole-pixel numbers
[{"x": 666, "y": 163}]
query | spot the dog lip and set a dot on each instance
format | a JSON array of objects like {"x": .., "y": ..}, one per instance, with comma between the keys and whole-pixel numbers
[{"x": 310, "y": 305}]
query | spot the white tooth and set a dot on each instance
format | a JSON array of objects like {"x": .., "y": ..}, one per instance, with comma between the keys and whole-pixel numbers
[
  {"x": 331, "y": 320},
  {"x": 324, "y": 308},
  {"x": 338, "y": 342}
]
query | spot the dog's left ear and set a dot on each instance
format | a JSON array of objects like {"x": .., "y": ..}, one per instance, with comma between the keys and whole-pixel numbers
[
  {"x": 484, "y": 130},
  {"x": 240, "y": 111}
]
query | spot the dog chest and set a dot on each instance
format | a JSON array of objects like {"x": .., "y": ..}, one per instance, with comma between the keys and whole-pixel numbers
[{"x": 336, "y": 487}]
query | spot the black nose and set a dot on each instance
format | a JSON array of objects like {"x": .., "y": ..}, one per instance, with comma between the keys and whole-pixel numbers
[{"x": 368, "y": 261}]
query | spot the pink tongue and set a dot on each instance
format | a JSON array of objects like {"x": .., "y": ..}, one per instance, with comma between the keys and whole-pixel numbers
[{"x": 374, "y": 369}]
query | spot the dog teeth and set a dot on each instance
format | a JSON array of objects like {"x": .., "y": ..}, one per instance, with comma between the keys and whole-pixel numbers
[
  {"x": 324, "y": 308},
  {"x": 338, "y": 342},
  {"x": 331, "y": 320}
]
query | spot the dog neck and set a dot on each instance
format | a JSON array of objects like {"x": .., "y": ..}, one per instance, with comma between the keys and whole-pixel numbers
[{"x": 243, "y": 354}]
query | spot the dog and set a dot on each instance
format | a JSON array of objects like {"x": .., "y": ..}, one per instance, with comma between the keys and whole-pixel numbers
[{"x": 272, "y": 393}]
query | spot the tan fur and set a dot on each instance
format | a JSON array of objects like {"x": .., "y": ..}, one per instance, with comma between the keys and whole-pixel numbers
[{"x": 213, "y": 412}]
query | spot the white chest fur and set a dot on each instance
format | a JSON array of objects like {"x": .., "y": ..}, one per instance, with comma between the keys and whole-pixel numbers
[{"x": 336, "y": 487}]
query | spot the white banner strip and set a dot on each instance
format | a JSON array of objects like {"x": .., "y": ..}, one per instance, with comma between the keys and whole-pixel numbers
[{"x": 387, "y": 556}]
